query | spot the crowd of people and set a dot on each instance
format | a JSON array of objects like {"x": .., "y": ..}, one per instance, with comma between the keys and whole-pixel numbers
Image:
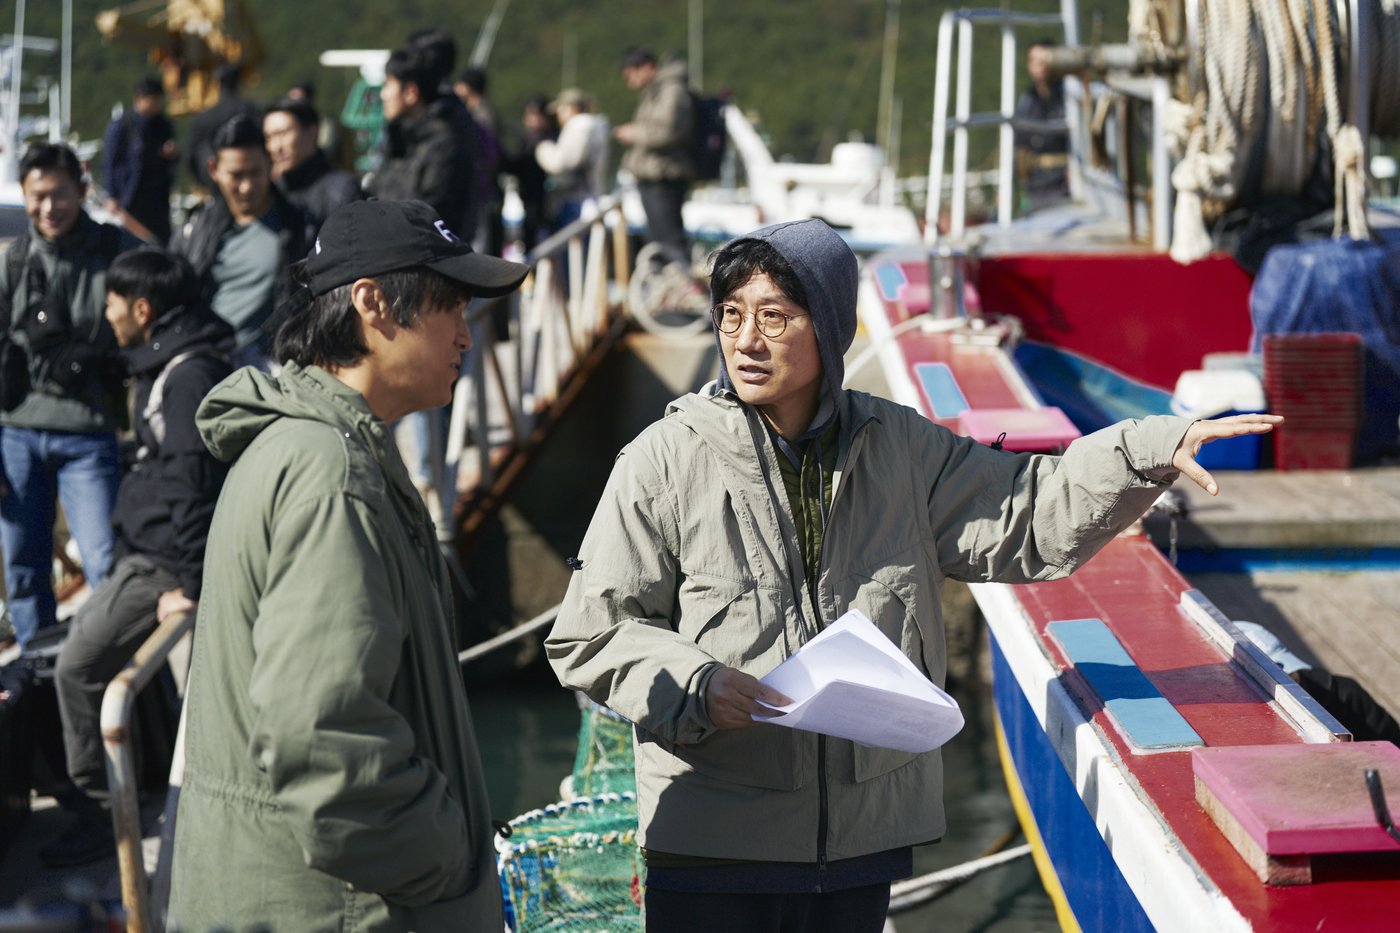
[{"x": 332, "y": 776}]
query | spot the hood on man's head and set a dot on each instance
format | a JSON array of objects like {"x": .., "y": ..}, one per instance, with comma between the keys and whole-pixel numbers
[{"x": 829, "y": 274}]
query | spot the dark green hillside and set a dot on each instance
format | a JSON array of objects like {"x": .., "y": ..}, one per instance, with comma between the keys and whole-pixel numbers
[{"x": 810, "y": 69}]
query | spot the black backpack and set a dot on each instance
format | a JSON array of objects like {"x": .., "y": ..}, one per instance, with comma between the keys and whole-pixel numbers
[{"x": 708, "y": 136}]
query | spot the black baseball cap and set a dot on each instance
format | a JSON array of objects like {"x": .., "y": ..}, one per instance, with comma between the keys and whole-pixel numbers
[{"x": 363, "y": 239}]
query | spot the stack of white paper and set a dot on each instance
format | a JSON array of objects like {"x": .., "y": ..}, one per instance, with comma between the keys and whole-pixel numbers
[{"x": 852, "y": 682}]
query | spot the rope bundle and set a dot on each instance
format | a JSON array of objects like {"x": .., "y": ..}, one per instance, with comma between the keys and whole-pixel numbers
[{"x": 1269, "y": 86}]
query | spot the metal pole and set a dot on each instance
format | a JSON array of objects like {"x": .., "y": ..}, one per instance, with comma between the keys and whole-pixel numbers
[
  {"x": 958, "y": 223},
  {"x": 16, "y": 85},
  {"x": 1007, "y": 132},
  {"x": 117, "y": 704},
  {"x": 1162, "y": 205},
  {"x": 568, "y": 76},
  {"x": 486, "y": 39},
  {"x": 65, "y": 117},
  {"x": 933, "y": 202},
  {"x": 884, "y": 132},
  {"x": 697, "y": 43}
]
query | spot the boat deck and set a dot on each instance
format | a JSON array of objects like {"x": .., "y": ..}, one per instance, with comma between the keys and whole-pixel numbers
[{"x": 1345, "y": 618}]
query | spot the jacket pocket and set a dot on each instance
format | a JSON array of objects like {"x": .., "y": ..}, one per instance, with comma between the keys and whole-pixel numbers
[
  {"x": 764, "y": 756},
  {"x": 889, "y": 597},
  {"x": 725, "y": 618}
]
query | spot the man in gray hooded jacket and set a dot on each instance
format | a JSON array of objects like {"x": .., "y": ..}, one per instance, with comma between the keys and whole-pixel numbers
[{"x": 755, "y": 513}]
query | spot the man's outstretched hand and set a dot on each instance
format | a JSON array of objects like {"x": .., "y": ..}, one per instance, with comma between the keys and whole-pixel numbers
[
  {"x": 732, "y": 699},
  {"x": 1203, "y": 432}
]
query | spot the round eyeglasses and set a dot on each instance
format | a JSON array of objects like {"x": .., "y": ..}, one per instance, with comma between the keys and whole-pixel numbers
[{"x": 770, "y": 321}]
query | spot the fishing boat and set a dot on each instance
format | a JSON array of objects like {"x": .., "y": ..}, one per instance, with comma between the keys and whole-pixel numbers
[{"x": 1166, "y": 772}]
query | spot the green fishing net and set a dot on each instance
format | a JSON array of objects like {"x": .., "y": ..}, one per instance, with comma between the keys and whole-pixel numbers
[
  {"x": 575, "y": 866},
  {"x": 604, "y": 763}
]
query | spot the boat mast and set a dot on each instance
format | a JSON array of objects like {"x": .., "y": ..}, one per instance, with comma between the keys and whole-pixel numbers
[
  {"x": 65, "y": 100},
  {"x": 697, "y": 44}
]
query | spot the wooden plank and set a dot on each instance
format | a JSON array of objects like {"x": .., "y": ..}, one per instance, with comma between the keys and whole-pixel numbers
[
  {"x": 1294, "y": 509},
  {"x": 1302, "y": 799}
]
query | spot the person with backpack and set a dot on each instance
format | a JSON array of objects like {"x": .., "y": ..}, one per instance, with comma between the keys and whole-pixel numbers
[
  {"x": 138, "y": 160},
  {"x": 61, "y": 393},
  {"x": 661, "y": 137},
  {"x": 176, "y": 350}
]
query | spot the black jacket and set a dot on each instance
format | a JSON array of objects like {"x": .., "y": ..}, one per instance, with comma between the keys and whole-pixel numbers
[
  {"x": 166, "y": 501},
  {"x": 318, "y": 188},
  {"x": 429, "y": 158},
  {"x": 200, "y": 239}
]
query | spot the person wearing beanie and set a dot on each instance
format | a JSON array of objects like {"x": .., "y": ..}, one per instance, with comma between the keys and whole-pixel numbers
[{"x": 759, "y": 511}]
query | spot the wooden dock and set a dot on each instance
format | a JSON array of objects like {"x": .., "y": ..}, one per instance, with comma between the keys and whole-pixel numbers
[{"x": 1346, "y": 620}]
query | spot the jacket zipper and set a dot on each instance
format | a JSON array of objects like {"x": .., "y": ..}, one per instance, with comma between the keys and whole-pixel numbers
[{"x": 822, "y": 792}]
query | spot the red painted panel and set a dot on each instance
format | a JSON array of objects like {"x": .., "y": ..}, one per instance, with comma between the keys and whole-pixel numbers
[
  {"x": 1135, "y": 591},
  {"x": 1141, "y": 313}
]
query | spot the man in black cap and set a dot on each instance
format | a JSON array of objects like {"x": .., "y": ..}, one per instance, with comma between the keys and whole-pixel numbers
[{"x": 332, "y": 775}]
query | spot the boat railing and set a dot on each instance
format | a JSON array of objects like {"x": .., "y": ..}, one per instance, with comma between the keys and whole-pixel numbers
[
  {"x": 1106, "y": 182},
  {"x": 531, "y": 351},
  {"x": 143, "y": 910}
]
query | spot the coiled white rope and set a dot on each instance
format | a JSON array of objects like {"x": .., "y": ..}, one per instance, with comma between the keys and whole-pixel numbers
[{"x": 1269, "y": 68}]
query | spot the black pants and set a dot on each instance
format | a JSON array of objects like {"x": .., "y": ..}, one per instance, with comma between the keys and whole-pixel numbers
[
  {"x": 662, "y": 202},
  {"x": 855, "y": 910},
  {"x": 110, "y": 626}
]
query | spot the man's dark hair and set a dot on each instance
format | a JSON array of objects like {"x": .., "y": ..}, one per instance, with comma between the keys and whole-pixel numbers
[
  {"x": 1042, "y": 43},
  {"x": 412, "y": 65},
  {"x": 240, "y": 132},
  {"x": 229, "y": 77},
  {"x": 440, "y": 48},
  {"x": 51, "y": 157},
  {"x": 165, "y": 280},
  {"x": 741, "y": 260},
  {"x": 637, "y": 55},
  {"x": 300, "y": 110},
  {"x": 473, "y": 78},
  {"x": 149, "y": 86},
  {"x": 326, "y": 333}
]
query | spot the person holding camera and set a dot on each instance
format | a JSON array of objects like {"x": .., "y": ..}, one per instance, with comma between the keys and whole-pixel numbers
[{"x": 61, "y": 386}]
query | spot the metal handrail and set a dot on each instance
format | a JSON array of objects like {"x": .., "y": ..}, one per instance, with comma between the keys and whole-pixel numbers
[
  {"x": 560, "y": 315},
  {"x": 963, "y": 119},
  {"x": 118, "y": 703}
]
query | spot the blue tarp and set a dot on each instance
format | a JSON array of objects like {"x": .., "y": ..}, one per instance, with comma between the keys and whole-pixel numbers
[{"x": 1348, "y": 285}]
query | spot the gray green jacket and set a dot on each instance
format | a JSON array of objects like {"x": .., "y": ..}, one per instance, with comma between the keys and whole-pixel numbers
[
  {"x": 77, "y": 258},
  {"x": 661, "y": 150},
  {"x": 332, "y": 779},
  {"x": 692, "y": 561}
]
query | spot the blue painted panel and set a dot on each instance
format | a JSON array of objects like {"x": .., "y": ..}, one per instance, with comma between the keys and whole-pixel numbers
[
  {"x": 1289, "y": 560},
  {"x": 1097, "y": 892},
  {"x": 890, "y": 278},
  {"x": 1147, "y": 717},
  {"x": 941, "y": 389}
]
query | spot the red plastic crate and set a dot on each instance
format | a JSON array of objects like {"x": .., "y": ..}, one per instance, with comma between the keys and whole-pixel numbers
[{"x": 1305, "y": 448}]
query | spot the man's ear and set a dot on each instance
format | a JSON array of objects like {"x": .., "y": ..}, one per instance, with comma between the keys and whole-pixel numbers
[
  {"x": 142, "y": 312},
  {"x": 412, "y": 93},
  {"x": 373, "y": 308}
]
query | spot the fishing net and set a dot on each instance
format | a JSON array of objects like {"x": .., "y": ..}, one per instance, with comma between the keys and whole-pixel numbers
[
  {"x": 574, "y": 866},
  {"x": 604, "y": 763}
]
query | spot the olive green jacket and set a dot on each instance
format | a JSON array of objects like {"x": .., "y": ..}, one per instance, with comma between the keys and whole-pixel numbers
[
  {"x": 692, "y": 561},
  {"x": 332, "y": 779}
]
